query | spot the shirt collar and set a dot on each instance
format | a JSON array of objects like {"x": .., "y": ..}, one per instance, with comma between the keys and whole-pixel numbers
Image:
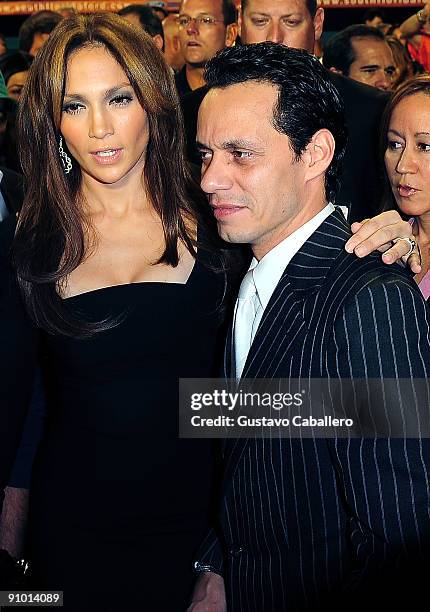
[{"x": 268, "y": 271}]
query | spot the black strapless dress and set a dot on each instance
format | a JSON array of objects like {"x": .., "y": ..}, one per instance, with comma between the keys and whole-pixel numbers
[{"x": 119, "y": 503}]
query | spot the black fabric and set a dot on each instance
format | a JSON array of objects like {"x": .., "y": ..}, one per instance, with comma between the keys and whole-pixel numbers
[
  {"x": 12, "y": 189},
  {"x": 181, "y": 82},
  {"x": 311, "y": 524},
  {"x": 361, "y": 179},
  {"x": 118, "y": 502},
  {"x": 361, "y": 183}
]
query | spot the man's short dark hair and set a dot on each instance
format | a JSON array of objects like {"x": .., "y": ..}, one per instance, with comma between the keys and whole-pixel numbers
[
  {"x": 311, "y": 5},
  {"x": 229, "y": 12},
  {"x": 148, "y": 20},
  {"x": 339, "y": 52},
  {"x": 158, "y": 6},
  {"x": 42, "y": 22},
  {"x": 307, "y": 100},
  {"x": 13, "y": 62},
  {"x": 372, "y": 13}
]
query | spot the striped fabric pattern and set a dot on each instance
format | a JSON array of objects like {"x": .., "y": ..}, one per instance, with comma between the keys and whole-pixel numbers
[{"x": 301, "y": 519}]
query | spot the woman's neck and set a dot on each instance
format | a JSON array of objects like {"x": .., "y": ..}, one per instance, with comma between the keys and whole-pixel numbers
[
  {"x": 422, "y": 234},
  {"x": 115, "y": 201},
  {"x": 423, "y": 227}
]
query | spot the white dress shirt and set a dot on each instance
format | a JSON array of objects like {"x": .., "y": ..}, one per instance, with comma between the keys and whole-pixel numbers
[{"x": 266, "y": 274}]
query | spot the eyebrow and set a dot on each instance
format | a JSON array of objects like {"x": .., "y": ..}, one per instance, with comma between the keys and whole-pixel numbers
[
  {"x": 297, "y": 13},
  {"x": 229, "y": 145},
  {"x": 107, "y": 93},
  {"x": 198, "y": 14},
  {"x": 416, "y": 133},
  {"x": 370, "y": 66}
]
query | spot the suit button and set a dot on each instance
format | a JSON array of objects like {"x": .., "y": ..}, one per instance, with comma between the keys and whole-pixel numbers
[{"x": 236, "y": 550}]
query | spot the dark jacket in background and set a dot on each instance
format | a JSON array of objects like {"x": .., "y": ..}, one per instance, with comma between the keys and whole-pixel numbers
[
  {"x": 182, "y": 83},
  {"x": 12, "y": 189}
]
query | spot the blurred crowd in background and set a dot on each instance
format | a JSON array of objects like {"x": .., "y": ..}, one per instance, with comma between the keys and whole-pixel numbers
[{"x": 376, "y": 53}]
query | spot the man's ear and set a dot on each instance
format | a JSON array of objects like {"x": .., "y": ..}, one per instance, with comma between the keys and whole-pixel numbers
[
  {"x": 231, "y": 34},
  {"x": 319, "y": 153},
  {"x": 336, "y": 70},
  {"x": 239, "y": 21},
  {"x": 318, "y": 22},
  {"x": 176, "y": 44},
  {"x": 158, "y": 40}
]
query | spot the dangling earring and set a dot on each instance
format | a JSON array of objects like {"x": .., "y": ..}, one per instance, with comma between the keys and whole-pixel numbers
[{"x": 65, "y": 159}]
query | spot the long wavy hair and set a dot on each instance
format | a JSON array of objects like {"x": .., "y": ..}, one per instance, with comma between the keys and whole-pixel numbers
[
  {"x": 51, "y": 235},
  {"x": 416, "y": 85}
]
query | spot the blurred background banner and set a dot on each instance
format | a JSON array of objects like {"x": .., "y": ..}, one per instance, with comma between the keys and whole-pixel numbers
[{"x": 92, "y": 6}]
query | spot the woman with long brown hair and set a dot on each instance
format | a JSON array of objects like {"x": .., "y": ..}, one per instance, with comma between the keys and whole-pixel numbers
[
  {"x": 116, "y": 290},
  {"x": 121, "y": 299}
]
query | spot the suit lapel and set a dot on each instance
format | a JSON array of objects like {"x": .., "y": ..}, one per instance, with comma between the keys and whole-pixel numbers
[
  {"x": 229, "y": 361},
  {"x": 284, "y": 324},
  {"x": 283, "y": 320}
]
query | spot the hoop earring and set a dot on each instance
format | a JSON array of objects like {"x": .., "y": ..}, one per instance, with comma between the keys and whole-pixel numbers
[{"x": 65, "y": 159}]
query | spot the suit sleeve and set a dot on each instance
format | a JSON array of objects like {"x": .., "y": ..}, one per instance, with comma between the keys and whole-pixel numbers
[
  {"x": 384, "y": 333},
  {"x": 210, "y": 555},
  {"x": 18, "y": 344}
]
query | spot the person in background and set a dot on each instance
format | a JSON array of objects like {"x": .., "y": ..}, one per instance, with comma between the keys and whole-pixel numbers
[
  {"x": 205, "y": 27},
  {"x": 374, "y": 17},
  {"x": 158, "y": 8},
  {"x": 67, "y": 11},
  {"x": 144, "y": 17},
  {"x": 15, "y": 67},
  {"x": 172, "y": 47},
  {"x": 7, "y": 110},
  {"x": 402, "y": 61},
  {"x": 3, "y": 45},
  {"x": 361, "y": 53},
  {"x": 395, "y": 31},
  {"x": 405, "y": 143},
  {"x": 11, "y": 192},
  {"x": 112, "y": 232},
  {"x": 35, "y": 30},
  {"x": 298, "y": 24},
  {"x": 416, "y": 30}
]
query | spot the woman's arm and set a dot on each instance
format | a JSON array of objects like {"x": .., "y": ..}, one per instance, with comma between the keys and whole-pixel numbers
[
  {"x": 413, "y": 24},
  {"x": 18, "y": 346}
]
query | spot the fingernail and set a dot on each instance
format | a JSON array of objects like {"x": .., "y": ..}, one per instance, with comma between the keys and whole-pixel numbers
[
  {"x": 388, "y": 258},
  {"x": 360, "y": 251}
]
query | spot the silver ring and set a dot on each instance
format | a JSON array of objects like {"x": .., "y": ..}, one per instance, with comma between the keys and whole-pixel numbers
[{"x": 410, "y": 241}]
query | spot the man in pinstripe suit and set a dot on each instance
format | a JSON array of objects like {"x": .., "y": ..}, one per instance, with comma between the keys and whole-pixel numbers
[{"x": 302, "y": 522}]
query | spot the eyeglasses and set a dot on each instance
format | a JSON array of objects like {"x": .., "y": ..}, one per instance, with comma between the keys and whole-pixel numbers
[{"x": 201, "y": 22}]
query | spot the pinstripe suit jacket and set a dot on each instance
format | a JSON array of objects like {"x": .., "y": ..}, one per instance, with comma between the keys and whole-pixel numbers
[{"x": 301, "y": 520}]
